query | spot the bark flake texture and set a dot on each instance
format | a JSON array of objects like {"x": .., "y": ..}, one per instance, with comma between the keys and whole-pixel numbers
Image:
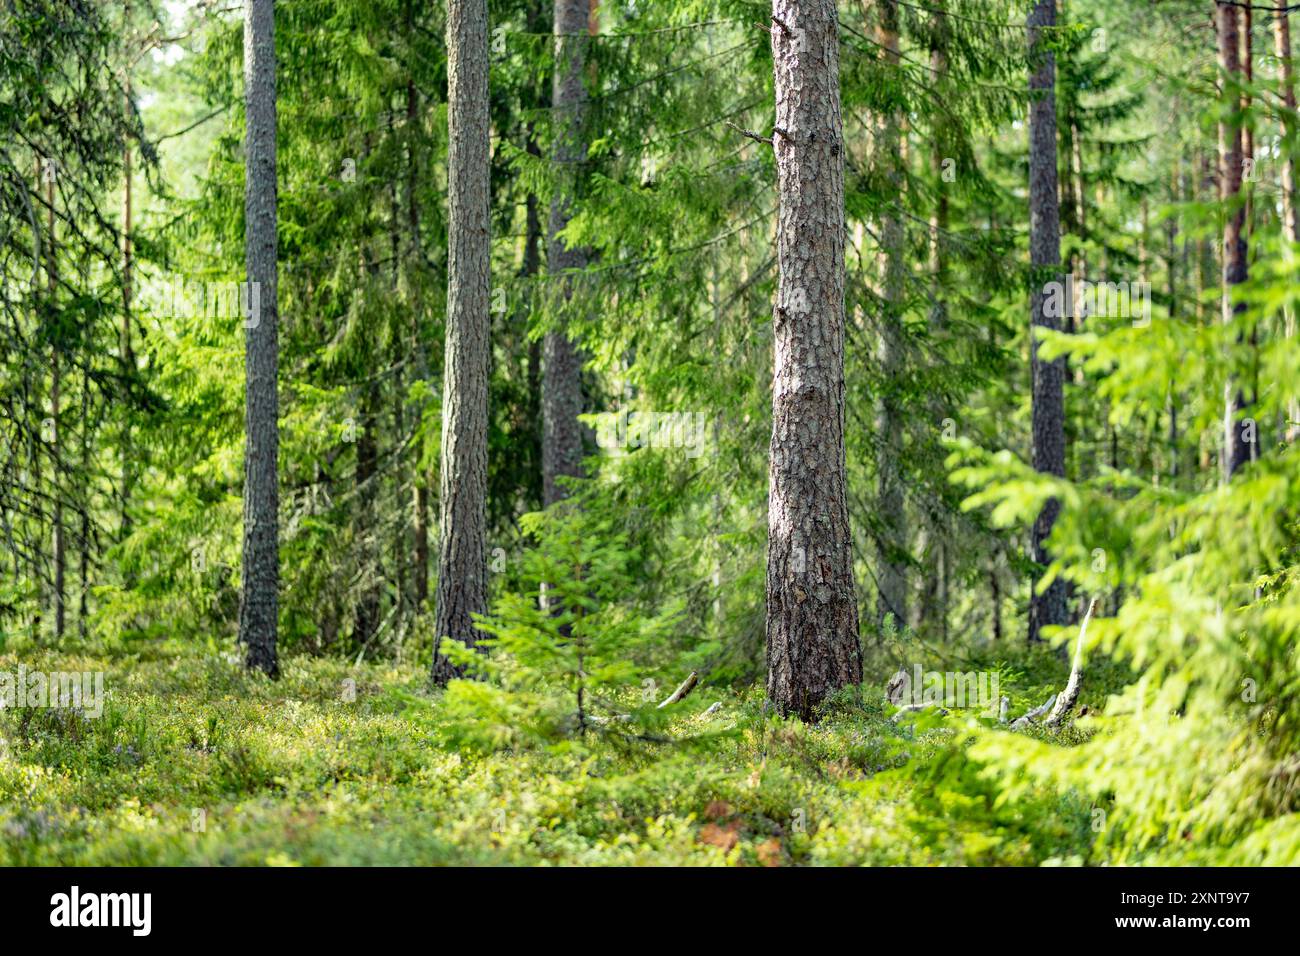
[
  {"x": 812, "y": 610},
  {"x": 462, "y": 555}
]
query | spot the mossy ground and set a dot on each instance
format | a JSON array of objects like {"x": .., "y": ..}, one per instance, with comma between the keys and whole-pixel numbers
[{"x": 194, "y": 761}]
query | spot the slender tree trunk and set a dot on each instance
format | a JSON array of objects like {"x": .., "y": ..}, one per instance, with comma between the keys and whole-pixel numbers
[
  {"x": 939, "y": 219},
  {"x": 995, "y": 598},
  {"x": 1290, "y": 232},
  {"x": 462, "y": 527},
  {"x": 32, "y": 399},
  {"x": 56, "y": 400},
  {"x": 561, "y": 360},
  {"x": 530, "y": 268},
  {"x": 538, "y": 15},
  {"x": 401, "y": 543},
  {"x": 812, "y": 610},
  {"x": 259, "y": 598},
  {"x": 1048, "y": 413},
  {"x": 892, "y": 547},
  {"x": 937, "y": 526},
  {"x": 124, "y": 345},
  {"x": 365, "y": 519},
  {"x": 1236, "y": 451},
  {"x": 84, "y": 511}
]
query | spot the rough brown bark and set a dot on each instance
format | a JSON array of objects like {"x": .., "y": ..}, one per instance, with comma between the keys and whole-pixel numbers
[
  {"x": 1048, "y": 413},
  {"x": 462, "y": 557},
  {"x": 1236, "y": 450},
  {"x": 812, "y": 610},
  {"x": 561, "y": 360},
  {"x": 259, "y": 594}
]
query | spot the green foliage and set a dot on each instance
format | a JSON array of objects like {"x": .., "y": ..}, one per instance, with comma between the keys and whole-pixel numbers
[
  {"x": 553, "y": 749},
  {"x": 564, "y": 656}
]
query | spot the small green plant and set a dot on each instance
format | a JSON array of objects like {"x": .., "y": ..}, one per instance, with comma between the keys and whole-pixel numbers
[{"x": 565, "y": 656}]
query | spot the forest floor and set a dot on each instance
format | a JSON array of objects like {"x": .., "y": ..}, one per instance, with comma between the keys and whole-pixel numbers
[{"x": 194, "y": 761}]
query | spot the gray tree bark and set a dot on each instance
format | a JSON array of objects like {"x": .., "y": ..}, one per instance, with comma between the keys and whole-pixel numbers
[
  {"x": 1048, "y": 413},
  {"x": 561, "y": 359},
  {"x": 1236, "y": 450},
  {"x": 259, "y": 596},
  {"x": 812, "y": 610},
  {"x": 462, "y": 555}
]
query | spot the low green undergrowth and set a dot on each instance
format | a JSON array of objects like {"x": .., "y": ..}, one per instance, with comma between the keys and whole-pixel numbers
[{"x": 195, "y": 761}]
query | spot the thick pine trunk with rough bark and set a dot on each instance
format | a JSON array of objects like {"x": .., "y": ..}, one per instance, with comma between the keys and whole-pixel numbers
[
  {"x": 561, "y": 359},
  {"x": 1236, "y": 450},
  {"x": 259, "y": 597},
  {"x": 812, "y": 609},
  {"x": 1048, "y": 414},
  {"x": 462, "y": 552}
]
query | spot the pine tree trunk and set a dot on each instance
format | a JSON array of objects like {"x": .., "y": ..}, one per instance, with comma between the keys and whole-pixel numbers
[
  {"x": 536, "y": 23},
  {"x": 364, "y": 520},
  {"x": 937, "y": 526},
  {"x": 462, "y": 555},
  {"x": 259, "y": 598},
  {"x": 83, "y": 598},
  {"x": 1236, "y": 451},
  {"x": 124, "y": 345},
  {"x": 1048, "y": 414},
  {"x": 812, "y": 610},
  {"x": 561, "y": 360},
  {"x": 56, "y": 458}
]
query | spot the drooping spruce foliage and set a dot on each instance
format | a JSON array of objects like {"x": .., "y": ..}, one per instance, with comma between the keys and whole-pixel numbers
[{"x": 121, "y": 439}]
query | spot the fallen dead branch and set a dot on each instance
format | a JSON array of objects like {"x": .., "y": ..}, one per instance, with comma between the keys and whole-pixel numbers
[
  {"x": 684, "y": 688},
  {"x": 912, "y": 708},
  {"x": 1061, "y": 704},
  {"x": 1066, "y": 701}
]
